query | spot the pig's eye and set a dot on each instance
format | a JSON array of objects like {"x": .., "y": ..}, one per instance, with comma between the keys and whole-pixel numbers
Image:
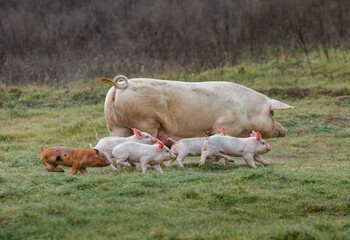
[
  {"x": 263, "y": 143},
  {"x": 103, "y": 156},
  {"x": 147, "y": 136},
  {"x": 272, "y": 113}
]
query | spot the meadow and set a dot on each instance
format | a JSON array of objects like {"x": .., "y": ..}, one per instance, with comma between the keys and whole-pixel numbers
[{"x": 304, "y": 194}]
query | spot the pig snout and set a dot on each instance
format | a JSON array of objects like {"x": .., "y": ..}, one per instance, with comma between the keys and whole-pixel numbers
[
  {"x": 279, "y": 131},
  {"x": 284, "y": 133},
  {"x": 269, "y": 148}
]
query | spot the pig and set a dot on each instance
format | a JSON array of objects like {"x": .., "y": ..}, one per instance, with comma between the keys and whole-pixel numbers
[
  {"x": 106, "y": 145},
  {"x": 225, "y": 146},
  {"x": 175, "y": 109},
  {"x": 144, "y": 154},
  {"x": 78, "y": 159},
  {"x": 190, "y": 147}
]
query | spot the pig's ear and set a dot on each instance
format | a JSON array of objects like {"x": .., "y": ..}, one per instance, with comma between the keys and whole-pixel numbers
[
  {"x": 223, "y": 130},
  {"x": 253, "y": 134},
  {"x": 217, "y": 131},
  {"x": 137, "y": 133},
  {"x": 161, "y": 145},
  {"x": 96, "y": 151},
  {"x": 258, "y": 137},
  {"x": 274, "y": 104}
]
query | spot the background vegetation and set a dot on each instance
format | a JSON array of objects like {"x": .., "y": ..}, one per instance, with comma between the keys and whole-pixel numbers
[{"x": 55, "y": 42}]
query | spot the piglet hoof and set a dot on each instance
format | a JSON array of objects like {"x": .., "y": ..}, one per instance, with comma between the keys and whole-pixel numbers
[
  {"x": 200, "y": 164},
  {"x": 113, "y": 168},
  {"x": 267, "y": 164}
]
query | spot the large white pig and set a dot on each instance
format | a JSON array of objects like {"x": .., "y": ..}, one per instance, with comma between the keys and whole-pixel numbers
[{"x": 188, "y": 109}]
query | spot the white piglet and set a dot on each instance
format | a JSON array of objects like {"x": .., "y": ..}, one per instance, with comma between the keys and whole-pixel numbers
[
  {"x": 225, "y": 146},
  {"x": 190, "y": 147},
  {"x": 144, "y": 154},
  {"x": 106, "y": 145}
]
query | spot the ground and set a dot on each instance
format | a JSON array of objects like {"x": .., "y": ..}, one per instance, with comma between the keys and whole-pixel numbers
[{"x": 304, "y": 194}]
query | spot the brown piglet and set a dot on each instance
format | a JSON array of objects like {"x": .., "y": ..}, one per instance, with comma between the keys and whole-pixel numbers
[{"x": 77, "y": 158}]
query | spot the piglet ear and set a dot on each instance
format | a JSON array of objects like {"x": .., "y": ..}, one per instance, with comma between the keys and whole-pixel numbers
[
  {"x": 274, "y": 104},
  {"x": 96, "y": 151},
  {"x": 217, "y": 131},
  {"x": 253, "y": 134},
  {"x": 223, "y": 130},
  {"x": 258, "y": 136},
  {"x": 160, "y": 145},
  {"x": 137, "y": 133}
]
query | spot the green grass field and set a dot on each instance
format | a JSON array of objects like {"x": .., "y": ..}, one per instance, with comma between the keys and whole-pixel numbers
[{"x": 304, "y": 194}]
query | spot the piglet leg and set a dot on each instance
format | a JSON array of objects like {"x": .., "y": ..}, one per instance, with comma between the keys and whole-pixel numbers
[
  {"x": 226, "y": 157},
  {"x": 144, "y": 163},
  {"x": 204, "y": 156},
  {"x": 83, "y": 171},
  {"x": 113, "y": 167},
  {"x": 170, "y": 162},
  {"x": 179, "y": 160},
  {"x": 261, "y": 160},
  {"x": 76, "y": 166},
  {"x": 122, "y": 162},
  {"x": 157, "y": 168},
  {"x": 51, "y": 167},
  {"x": 249, "y": 158}
]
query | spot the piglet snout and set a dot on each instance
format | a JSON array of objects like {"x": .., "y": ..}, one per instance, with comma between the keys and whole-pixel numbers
[{"x": 269, "y": 148}]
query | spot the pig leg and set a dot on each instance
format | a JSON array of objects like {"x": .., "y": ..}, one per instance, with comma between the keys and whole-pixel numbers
[
  {"x": 249, "y": 158},
  {"x": 179, "y": 159},
  {"x": 112, "y": 167},
  {"x": 83, "y": 170},
  {"x": 157, "y": 168},
  {"x": 144, "y": 162},
  {"x": 261, "y": 160},
  {"x": 226, "y": 157},
  {"x": 204, "y": 156},
  {"x": 218, "y": 159},
  {"x": 122, "y": 162},
  {"x": 51, "y": 167},
  {"x": 170, "y": 162},
  {"x": 76, "y": 166},
  {"x": 117, "y": 131}
]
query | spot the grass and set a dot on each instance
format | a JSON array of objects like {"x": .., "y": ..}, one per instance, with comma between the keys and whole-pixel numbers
[{"x": 304, "y": 194}]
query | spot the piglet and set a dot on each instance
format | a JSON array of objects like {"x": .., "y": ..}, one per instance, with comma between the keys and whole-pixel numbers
[
  {"x": 225, "y": 146},
  {"x": 191, "y": 147},
  {"x": 76, "y": 158},
  {"x": 144, "y": 154},
  {"x": 107, "y": 144}
]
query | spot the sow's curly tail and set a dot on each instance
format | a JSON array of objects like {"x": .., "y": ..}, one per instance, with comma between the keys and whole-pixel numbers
[{"x": 119, "y": 81}]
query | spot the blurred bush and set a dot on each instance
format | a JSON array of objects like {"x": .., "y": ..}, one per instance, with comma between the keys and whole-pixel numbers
[{"x": 53, "y": 42}]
